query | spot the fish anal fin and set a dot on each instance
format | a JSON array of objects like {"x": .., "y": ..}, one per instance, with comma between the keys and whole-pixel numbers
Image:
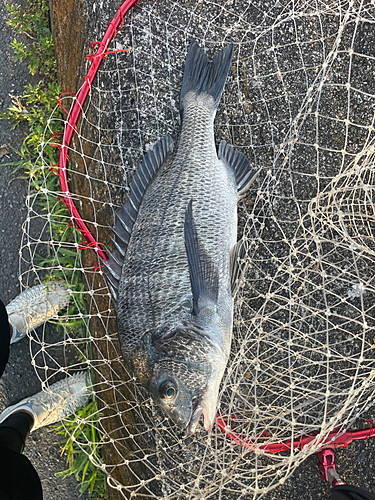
[
  {"x": 237, "y": 265},
  {"x": 127, "y": 214},
  {"x": 204, "y": 277},
  {"x": 240, "y": 165}
]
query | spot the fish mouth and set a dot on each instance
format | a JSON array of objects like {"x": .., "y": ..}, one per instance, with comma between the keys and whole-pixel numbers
[{"x": 201, "y": 407}]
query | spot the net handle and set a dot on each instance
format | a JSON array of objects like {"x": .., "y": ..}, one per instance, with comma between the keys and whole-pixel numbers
[{"x": 72, "y": 119}]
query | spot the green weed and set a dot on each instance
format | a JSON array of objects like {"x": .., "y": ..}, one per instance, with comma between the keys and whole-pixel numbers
[
  {"x": 36, "y": 42},
  {"x": 81, "y": 430}
]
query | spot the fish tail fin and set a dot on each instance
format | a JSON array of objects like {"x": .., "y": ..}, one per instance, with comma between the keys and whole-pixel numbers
[{"x": 202, "y": 77}]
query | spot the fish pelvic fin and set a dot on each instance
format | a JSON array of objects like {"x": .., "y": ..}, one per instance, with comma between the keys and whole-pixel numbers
[
  {"x": 204, "y": 276},
  {"x": 237, "y": 265},
  {"x": 243, "y": 172},
  {"x": 202, "y": 77},
  {"x": 127, "y": 215}
]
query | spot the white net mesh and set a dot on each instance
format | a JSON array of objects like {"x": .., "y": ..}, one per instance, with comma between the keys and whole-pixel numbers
[{"x": 299, "y": 103}]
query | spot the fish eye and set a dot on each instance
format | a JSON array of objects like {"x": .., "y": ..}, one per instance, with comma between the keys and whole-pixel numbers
[{"x": 168, "y": 390}]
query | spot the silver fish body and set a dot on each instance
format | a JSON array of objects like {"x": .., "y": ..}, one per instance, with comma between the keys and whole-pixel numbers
[{"x": 174, "y": 283}]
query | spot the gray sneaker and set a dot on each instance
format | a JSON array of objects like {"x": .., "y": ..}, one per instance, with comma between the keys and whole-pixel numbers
[
  {"x": 35, "y": 306},
  {"x": 55, "y": 403}
]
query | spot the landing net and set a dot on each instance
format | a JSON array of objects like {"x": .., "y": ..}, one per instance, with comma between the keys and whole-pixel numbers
[{"x": 299, "y": 103}]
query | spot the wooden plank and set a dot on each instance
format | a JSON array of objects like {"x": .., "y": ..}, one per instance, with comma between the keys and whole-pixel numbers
[{"x": 68, "y": 27}]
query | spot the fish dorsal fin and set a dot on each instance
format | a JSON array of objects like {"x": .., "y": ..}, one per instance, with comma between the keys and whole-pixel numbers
[
  {"x": 236, "y": 265},
  {"x": 127, "y": 215},
  {"x": 204, "y": 277},
  {"x": 240, "y": 165}
]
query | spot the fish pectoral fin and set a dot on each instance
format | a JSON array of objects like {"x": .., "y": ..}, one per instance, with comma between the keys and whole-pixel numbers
[
  {"x": 127, "y": 215},
  {"x": 236, "y": 265},
  {"x": 240, "y": 165},
  {"x": 204, "y": 276}
]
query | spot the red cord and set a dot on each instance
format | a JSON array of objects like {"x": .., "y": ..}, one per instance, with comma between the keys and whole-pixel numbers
[{"x": 103, "y": 54}]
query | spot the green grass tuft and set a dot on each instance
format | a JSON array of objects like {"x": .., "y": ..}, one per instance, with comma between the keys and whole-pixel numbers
[
  {"x": 32, "y": 23},
  {"x": 81, "y": 430}
]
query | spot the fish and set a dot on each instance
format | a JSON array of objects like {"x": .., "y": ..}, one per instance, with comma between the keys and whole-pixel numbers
[{"x": 175, "y": 264}]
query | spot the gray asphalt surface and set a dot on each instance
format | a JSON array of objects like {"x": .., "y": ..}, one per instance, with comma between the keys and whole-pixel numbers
[{"x": 19, "y": 379}]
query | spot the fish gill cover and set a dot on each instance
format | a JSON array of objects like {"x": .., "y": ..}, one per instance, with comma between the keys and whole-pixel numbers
[{"x": 299, "y": 104}]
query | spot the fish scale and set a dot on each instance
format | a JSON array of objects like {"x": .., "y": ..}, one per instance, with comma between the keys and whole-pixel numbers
[{"x": 175, "y": 265}]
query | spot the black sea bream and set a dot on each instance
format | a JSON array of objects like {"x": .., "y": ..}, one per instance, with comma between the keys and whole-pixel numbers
[{"x": 174, "y": 266}]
